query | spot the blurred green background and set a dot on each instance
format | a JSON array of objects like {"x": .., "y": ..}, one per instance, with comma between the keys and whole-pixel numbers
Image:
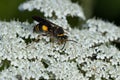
[
  {"x": 104, "y": 9},
  {"x": 9, "y": 11}
]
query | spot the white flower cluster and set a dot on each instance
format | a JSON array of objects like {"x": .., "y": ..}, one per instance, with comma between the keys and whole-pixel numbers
[
  {"x": 101, "y": 32},
  {"x": 25, "y": 58},
  {"x": 25, "y": 55},
  {"x": 61, "y": 8}
]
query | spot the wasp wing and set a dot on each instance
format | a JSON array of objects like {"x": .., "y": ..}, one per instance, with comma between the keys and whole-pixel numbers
[{"x": 39, "y": 19}]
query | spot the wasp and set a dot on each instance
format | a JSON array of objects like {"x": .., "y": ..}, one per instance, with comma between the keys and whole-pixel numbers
[{"x": 50, "y": 28}]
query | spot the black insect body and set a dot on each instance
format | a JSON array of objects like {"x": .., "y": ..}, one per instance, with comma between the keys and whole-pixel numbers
[{"x": 51, "y": 29}]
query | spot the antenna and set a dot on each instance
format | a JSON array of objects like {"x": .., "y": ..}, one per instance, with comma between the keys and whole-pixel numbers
[{"x": 65, "y": 43}]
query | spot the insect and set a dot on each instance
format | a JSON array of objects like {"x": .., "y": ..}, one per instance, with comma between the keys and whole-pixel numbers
[{"x": 51, "y": 29}]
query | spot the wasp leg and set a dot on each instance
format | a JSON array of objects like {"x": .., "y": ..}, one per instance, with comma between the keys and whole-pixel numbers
[
  {"x": 51, "y": 39},
  {"x": 36, "y": 39},
  {"x": 62, "y": 42},
  {"x": 63, "y": 45},
  {"x": 44, "y": 34}
]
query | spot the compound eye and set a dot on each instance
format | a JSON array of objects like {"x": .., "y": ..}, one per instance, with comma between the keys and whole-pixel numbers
[
  {"x": 65, "y": 37},
  {"x": 60, "y": 31}
]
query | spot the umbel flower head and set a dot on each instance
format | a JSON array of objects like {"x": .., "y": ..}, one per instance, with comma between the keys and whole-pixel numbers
[
  {"x": 94, "y": 56},
  {"x": 60, "y": 7}
]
